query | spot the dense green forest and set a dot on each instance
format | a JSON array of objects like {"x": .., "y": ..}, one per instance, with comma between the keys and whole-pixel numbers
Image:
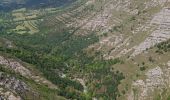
[
  {"x": 57, "y": 52},
  {"x": 54, "y": 56}
]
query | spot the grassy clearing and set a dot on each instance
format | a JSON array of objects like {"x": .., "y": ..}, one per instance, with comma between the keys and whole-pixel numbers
[
  {"x": 131, "y": 68},
  {"x": 27, "y": 20}
]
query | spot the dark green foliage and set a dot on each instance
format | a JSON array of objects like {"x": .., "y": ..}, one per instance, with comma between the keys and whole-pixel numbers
[
  {"x": 9, "y": 5},
  {"x": 52, "y": 61},
  {"x": 142, "y": 68},
  {"x": 163, "y": 47},
  {"x": 143, "y": 63},
  {"x": 57, "y": 52},
  {"x": 72, "y": 94},
  {"x": 106, "y": 80},
  {"x": 35, "y": 52}
]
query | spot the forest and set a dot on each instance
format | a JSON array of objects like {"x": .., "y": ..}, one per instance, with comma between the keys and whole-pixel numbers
[{"x": 60, "y": 52}]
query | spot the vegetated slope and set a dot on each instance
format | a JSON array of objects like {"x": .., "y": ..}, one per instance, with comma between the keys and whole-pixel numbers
[
  {"x": 7, "y": 5},
  {"x": 20, "y": 80},
  {"x": 126, "y": 29},
  {"x": 95, "y": 49}
]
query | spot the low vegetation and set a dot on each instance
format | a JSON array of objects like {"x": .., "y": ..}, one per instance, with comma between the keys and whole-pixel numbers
[{"x": 163, "y": 47}]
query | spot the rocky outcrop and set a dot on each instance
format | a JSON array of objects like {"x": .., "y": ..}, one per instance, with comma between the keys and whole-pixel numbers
[
  {"x": 160, "y": 34},
  {"x": 14, "y": 65},
  {"x": 8, "y": 95},
  {"x": 12, "y": 83},
  {"x": 156, "y": 79},
  {"x": 19, "y": 68},
  {"x": 13, "y": 87},
  {"x": 114, "y": 15}
]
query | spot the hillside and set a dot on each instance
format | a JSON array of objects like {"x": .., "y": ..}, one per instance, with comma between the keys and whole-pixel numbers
[
  {"x": 8, "y": 5},
  {"x": 85, "y": 49}
]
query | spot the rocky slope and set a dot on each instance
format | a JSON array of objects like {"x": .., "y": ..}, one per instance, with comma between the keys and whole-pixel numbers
[
  {"x": 15, "y": 80},
  {"x": 94, "y": 32},
  {"x": 123, "y": 21},
  {"x": 126, "y": 29}
]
